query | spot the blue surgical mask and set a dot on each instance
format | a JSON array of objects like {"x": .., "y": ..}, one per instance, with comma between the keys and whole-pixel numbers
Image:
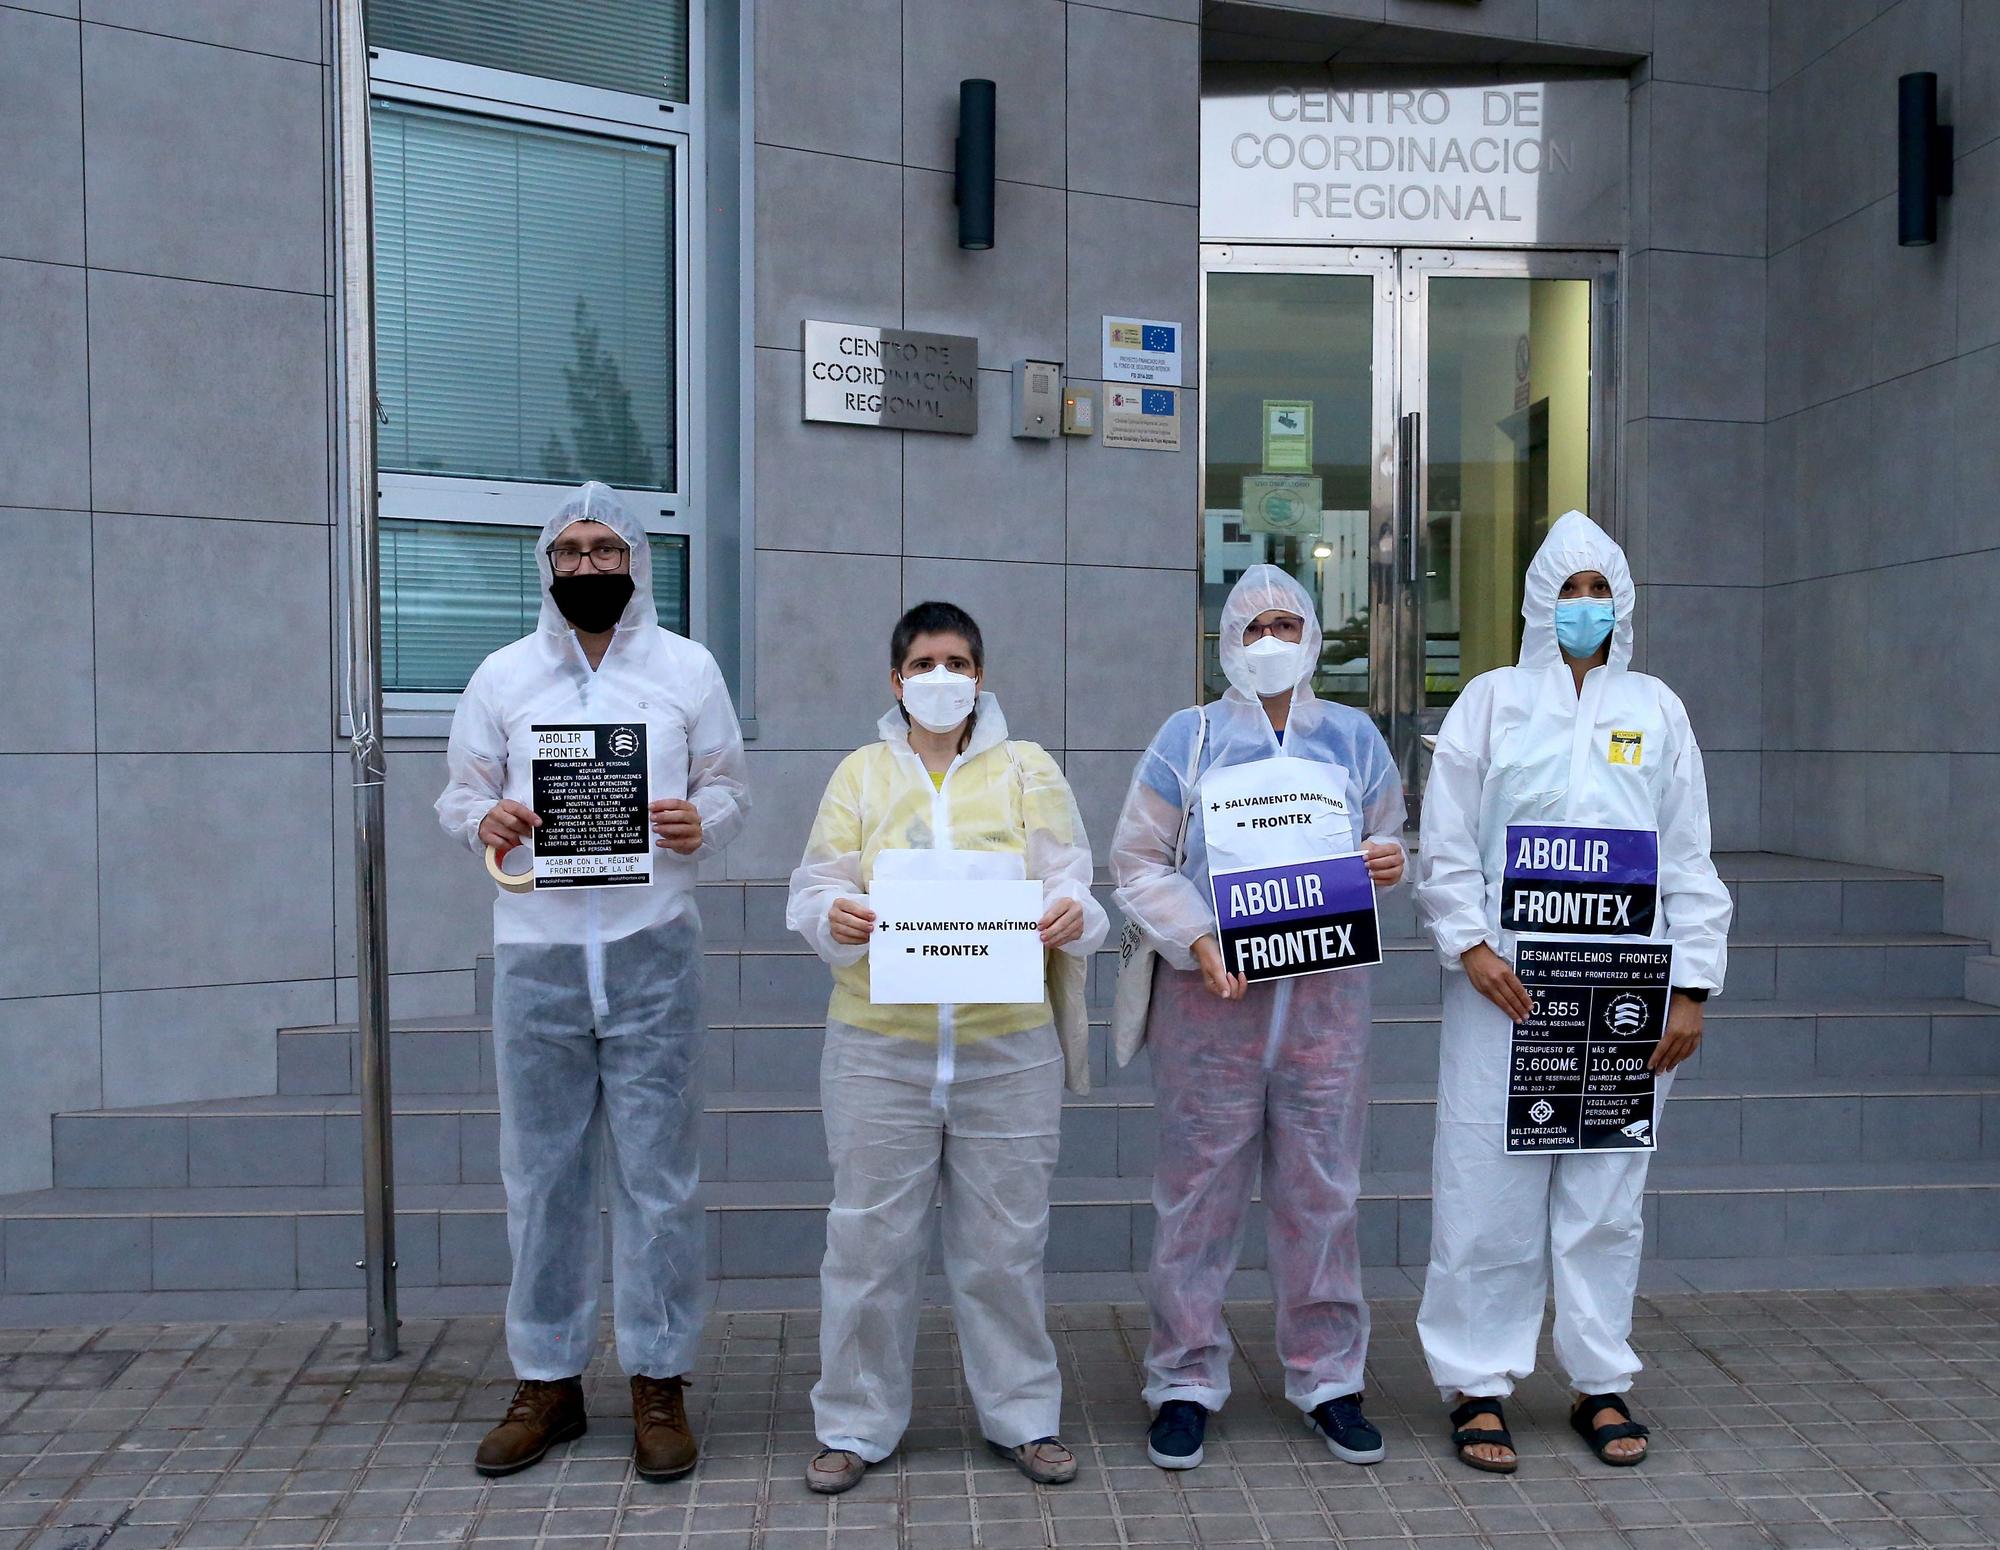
[{"x": 1583, "y": 624}]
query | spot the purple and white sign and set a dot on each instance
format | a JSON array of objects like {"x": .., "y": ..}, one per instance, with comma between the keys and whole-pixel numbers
[
  {"x": 1567, "y": 880},
  {"x": 1300, "y": 917}
]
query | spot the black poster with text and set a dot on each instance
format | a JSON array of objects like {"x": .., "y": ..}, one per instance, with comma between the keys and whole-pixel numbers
[{"x": 1577, "y": 1077}]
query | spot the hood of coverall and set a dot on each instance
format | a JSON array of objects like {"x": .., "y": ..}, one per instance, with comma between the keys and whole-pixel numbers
[
  {"x": 1574, "y": 543},
  {"x": 1263, "y": 587},
  {"x": 598, "y": 503}
]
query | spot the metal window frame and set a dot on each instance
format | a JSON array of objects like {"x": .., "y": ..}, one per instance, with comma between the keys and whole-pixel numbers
[
  {"x": 506, "y": 97},
  {"x": 1402, "y": 274}
]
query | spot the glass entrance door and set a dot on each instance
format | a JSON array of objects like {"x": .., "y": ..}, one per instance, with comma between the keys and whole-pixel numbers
[{"x": 1397, "y": 429}]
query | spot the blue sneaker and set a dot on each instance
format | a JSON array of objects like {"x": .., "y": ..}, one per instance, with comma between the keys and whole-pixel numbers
[
  {"x": 1348, "y": 1433},
  {"x": 1174, "y": 1440}
]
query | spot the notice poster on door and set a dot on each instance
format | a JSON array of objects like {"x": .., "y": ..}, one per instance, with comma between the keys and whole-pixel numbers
[
  {"x": 1288, "y": 436},
  {"x": 1577, "y": 1072},
  {"x": 591, "y": 791},
  {"x": 955, "y": 942}
]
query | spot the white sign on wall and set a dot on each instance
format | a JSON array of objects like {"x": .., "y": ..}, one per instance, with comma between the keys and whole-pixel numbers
[
  {"x": 1142, "y": 350},
  {"x": 1383, "y": 159}
]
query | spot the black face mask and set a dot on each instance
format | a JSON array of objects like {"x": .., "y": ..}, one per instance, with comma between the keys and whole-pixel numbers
[{"x": 591, "y": 603}]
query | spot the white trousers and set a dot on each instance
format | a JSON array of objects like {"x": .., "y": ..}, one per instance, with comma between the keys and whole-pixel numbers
[
  {"x": 1503, "y": 1228},
  {"x": 991, "y": 1152}
]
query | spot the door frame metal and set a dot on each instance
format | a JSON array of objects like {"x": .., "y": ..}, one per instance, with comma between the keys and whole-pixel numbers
[
  {"x": 1402, "y": 278},
  {"x": 1411, "y": 720}
]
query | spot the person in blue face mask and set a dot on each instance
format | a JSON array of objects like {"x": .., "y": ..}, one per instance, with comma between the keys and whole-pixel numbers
[{"x": 1570, "y": 737}]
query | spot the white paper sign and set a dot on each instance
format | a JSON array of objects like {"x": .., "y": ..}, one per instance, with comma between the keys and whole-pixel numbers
[
  {"x": 955, "y": 943},
  {"x": 1275, "y": 811},
  {"x": 1142, "y": 350}
]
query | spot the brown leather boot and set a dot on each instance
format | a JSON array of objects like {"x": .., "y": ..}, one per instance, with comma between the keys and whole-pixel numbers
[
  {"x": 663, "y": 1446},
  {"x": 539, "y": 1416}
]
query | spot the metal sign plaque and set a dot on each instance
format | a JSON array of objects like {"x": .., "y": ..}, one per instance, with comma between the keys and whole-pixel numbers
[
  {"x": 1377, "y": 158},
  {"x": 891, "y": 377}
]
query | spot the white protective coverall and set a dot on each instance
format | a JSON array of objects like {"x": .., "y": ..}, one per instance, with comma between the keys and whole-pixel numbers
[
  {"x": 1280, "y": 1075},
  {"x": 918, "y": 1099},
  {"x": 1522, "y": 746},
  {"x": 597, "y": 1026}
]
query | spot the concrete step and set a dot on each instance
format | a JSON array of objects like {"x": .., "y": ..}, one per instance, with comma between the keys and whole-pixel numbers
[
  {"x": 753, "y": 1136},
  {"x": 784, "y": 984},
  {"x": 1917, "y": 1036},
  {"x": 455, "y": 1235}
]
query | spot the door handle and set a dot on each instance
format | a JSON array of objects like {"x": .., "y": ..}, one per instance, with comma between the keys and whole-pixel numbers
[{"x": 1409, "y": 446}]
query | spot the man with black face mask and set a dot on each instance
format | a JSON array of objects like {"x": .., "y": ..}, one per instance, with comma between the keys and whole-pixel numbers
[{"x": 597, "y": 1023}]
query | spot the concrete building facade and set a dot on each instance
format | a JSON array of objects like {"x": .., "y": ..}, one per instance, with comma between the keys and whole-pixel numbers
[{"x": 1802, "y": 463}]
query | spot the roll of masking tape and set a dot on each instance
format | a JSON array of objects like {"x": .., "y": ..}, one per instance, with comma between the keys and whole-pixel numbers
[{"x": 513, "y": 882}]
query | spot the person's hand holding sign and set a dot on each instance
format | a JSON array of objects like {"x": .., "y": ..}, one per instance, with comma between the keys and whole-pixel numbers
[
  {"x": 1062, "y": 924},
  {"x": 678, "y": 825},
  {"x": 1385, "y": 864},
  {"x": 1494, "y": 980},
  {"x": 1683, "y": 1035},
  {"x": 850, "y": 922},
  {"x": 507, "y": 825},
  {"x": 1218, "y": 979}
]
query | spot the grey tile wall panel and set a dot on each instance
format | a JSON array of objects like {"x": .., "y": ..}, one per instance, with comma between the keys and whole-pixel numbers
[
  {"x": 178, "y": 188},
  {"x": 45, "y": 434},
  {"x": 48, "y": 701},
  {"x": 1017, "y": 44},
  {"x": 1013, "y": 605},
  {"x": 829, "y": 243},
  {"x": 207, "y": 400},
  {"x": 159, "y": 631},
  {"x": 214, "y": 1041},
  {"x": 51, "y": 1050},
  {"x": 41, "y": 123},
  {"x": 1130, "y": 78},
  {"x": 247, "y": 929},
  {"x": 811, "y": 63},
  {"x": 49, "y": 943},
  {"x": 1712, "y": 42},
  {"x": 288, "y": 27}
]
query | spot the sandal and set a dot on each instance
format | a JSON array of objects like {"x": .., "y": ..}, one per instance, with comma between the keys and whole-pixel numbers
[
  {"x": 1464, "y": 1437},
  {"x": 1584, "y": 1412}
]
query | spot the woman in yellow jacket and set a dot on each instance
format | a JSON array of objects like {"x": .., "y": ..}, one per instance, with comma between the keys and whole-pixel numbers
[{"x": 917, "y": 1097}]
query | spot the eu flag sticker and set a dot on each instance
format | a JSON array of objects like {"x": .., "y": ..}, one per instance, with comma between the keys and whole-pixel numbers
[
  {"x": 1158, "y": 337},
  {"x": 1156, "y": 401}
]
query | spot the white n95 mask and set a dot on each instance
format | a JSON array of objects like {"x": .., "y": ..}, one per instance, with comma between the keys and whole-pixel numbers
[
  {"x": 940, "y": 699},
  {"x": 1274, "y": 665}
]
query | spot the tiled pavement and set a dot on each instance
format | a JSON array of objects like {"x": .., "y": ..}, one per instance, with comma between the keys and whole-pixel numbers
[{"x": 1805, "y": 1419}]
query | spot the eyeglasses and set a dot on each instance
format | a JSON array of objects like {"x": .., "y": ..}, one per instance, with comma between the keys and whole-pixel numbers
[{"x": 567, "y": 558}]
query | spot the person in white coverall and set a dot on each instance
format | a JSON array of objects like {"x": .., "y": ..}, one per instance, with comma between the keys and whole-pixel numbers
[
  {"x": 1570, "y": 737},
  {"x": 1274, "y": 1072},
  {"x": 597, "y": 1025},
  {"x": 963, "y": 1100}
]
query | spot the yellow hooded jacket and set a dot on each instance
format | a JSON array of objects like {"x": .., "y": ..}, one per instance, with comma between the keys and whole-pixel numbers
[{"x": 997, "y": 796}]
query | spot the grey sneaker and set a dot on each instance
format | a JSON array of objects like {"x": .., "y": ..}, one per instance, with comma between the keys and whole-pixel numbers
[
  {"x": 1045, "y": 1460},
  {"x": 833, "y": 1470}
]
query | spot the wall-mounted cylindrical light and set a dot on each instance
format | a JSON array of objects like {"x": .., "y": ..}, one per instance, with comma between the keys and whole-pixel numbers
[
  {"x": 1923, "y": 159},
  {"x": 973, "y": 188}
]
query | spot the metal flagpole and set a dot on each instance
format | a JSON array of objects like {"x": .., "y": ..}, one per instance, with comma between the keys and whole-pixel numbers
[{"x": 356, "y": 313}]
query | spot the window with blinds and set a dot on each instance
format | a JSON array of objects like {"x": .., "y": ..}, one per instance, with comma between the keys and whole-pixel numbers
[
  {"x": 454, "y": 591},
  {"x": 524, "y": 290},
  {"x": 638, "y": 46}
]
